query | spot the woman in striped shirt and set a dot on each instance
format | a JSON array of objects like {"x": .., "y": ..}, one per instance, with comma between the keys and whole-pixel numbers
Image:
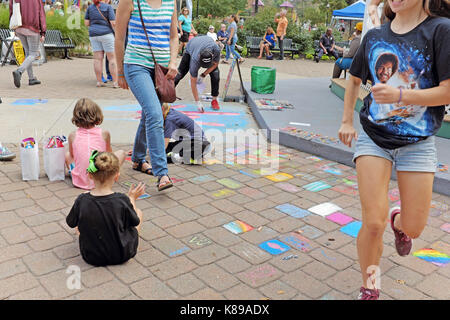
[{"x": 136, "y": 71}]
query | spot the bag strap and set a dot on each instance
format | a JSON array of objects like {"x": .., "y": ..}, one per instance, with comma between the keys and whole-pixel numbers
[
  {"x": 107, "y": 20},
  {"x": 145, "y": 30}
]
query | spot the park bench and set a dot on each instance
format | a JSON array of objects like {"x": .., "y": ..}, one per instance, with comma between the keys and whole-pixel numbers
[
  {"x": 288, "y": 46},
  {"x": 53, "y": 41},
  {"x": 341, "y": 44}
]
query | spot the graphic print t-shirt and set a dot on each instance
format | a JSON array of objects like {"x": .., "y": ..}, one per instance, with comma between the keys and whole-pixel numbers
[{"x": 418, "y": 59}]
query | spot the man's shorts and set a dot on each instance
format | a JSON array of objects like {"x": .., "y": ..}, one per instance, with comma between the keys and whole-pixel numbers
[
  {"x": 420, "y": 156},
  {"x": 103, "y": 43}
]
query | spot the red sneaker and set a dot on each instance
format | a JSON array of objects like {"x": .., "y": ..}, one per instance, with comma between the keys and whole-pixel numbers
[
  {"x": 368, "y": 294},
  {"x": 215, "y": 105},
  {"x": 403, "y": 243}
]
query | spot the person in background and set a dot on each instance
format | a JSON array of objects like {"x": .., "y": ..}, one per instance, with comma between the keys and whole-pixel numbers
[
  {"x": 267, "y": 44},
  {"x": 222, "y": 36},
  {"x": 186, "y": 27},
  {"x": 326, "y": 45},
  {"x": 48, "y": 5},
  {"x": 282, "y": 21},
  {"x": 345, "y": 62},
  {"x": 201, "y": 52},
  {"x": 100, "y": 19},
  {"x": 58, "y": 9},
  {"x": 232, "y": 40},
  {"x": 211, "y": 33},
  {"x": 30, "y": 33}
]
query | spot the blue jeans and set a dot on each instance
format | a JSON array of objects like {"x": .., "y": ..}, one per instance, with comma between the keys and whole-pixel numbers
[
  {"x": 231, "y": 49},
  {"x": 150, "y": 133}
]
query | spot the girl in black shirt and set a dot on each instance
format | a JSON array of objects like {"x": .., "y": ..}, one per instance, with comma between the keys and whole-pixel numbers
[
  {"x": 108, "y": 222},
  {"x": 407, "y": 62}
]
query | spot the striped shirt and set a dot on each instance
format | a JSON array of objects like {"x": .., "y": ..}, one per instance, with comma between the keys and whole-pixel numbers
[{"x": 157, "y": 23}]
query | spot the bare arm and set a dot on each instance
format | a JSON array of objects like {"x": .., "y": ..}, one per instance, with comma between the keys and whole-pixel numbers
[
  {"x": 70, "y": 140},
  {"x": 210, "y": 69},
  {"x": 107, "y": 137},
  {"x": 432, "y": 97},
  {"x": 87, "y": 23},
  {"x": 194, "y": 88},
  {"x": 123, "y": 16},
  {"x": 347, "y": 131},
  {"x": 171, "y": 74}
]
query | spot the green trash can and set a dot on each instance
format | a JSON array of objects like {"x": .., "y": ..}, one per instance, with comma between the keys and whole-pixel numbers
[{"x": 263, "y": 79}]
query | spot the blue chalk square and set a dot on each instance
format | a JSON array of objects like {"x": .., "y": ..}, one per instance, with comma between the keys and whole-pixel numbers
[
  {"x": 352, "y": 228},
  {"x": 274, "y": 247},
  {"x": 310, "y": 232},
  {"x": 293, "y": 211}
]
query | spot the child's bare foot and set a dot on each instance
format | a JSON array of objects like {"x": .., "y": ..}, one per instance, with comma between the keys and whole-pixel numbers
[{"x": 259, "y": 57}]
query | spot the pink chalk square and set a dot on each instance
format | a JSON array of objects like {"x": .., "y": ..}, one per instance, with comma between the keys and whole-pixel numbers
[
  {"x": 339, "y": 218},
  {"x": 446, "y": 227}
]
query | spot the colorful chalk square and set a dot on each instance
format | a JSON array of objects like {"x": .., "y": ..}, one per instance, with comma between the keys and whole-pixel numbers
[
  {"x": 437, "y": 208},
  {"x": 279, "y": 177},
  {"x": 339, "y": 218},
  {"x": 274, "y": 247},
  {"x": 317, "y": 186},
  {"x": 352, "y": 228},
  {"x": 203, "y": 179},
  {"x": 248, "y": 174},
  {"x": 345, "y": 190},
  {"x": 175, "y": 180},
  {"x": 311, "y": 232},
  {"x": 441, "y": 246},
  {"x": 446, "y": 227},
  {"x": 229, "y": 183},
  {"x": 212, "y": 161},
  {"x": 223, "y": 193},
  {"x": 325, "y": 209},
  {"x": 237, "y": 227},
  {"x": 334, "y": 171},
  {"x": 306, "y": 176},
  {"x": 435, "y": 257},
  {"x": 288, "y": 187},
  {"x": 144, "y": 196},
  {"x": 314, "y": 158},
  {"x": 297, "y": 241},
  {"x": 29, "y": 102},
  {"x": 293, "y": 211}
]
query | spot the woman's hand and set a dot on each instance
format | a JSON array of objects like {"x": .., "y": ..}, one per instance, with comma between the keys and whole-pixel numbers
[
  {"x": 42, "y": 39},
  {"x": 229, "y": 42},
  {"x": 385, "y": 94},
  {"x": 173, "y": 71},
  {"x": 136, "y": 192},
  {"x": 347, "y": 133},
  {"x": 123, "y": 83}
]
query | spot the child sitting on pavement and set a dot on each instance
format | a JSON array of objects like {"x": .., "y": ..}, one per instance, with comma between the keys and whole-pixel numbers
[
  {"x": 87, "y": 115},
  {"x": 180, "y": 127},
  {"x": 108, "y": 222}
]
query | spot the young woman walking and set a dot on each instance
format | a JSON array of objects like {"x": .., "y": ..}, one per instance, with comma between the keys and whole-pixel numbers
[{"x": 407, "y": 62}]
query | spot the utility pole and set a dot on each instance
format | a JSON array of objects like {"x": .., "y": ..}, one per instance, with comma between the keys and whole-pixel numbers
[{"x": 256, "y": 6}]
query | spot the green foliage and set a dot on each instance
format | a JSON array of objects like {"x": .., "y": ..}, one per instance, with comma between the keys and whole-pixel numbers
[
  {"x": 309, "y": 56},
  {"x": 315, "y": 15},
  {"x": 201, "y": 25},
  {"x": 327, "y": 6},
  {"x": 218, "y": 8},
  {"x": 4, "y": 16}
]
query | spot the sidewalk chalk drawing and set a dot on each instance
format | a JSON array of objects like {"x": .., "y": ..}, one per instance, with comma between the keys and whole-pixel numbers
[
  {"x": 279, "y": 177},
  {"x": 442, "y": 167},
  {"x": 293, "y": 211},
  {"x": 307, "y": 135},
  {"x": 438, "y": 208},
  {"x": 259, "y": 273},
  {"x": 297, "y": 242},
  {"x": 200, "y": 241},
  {"x": 251, "y": 175},
  {"x": 229, "y": 116},
  {"x": 394, "y": 194},
  {"x": 345, "y": 190},
  {"x": 314, "y": 158},
  {"x": 274, "y": 247},
  {"x": 223, "y": 193},
  {"x": 317, "y": 186},
  {"x": 202, "y": 179},
  {"x": 29, "y": 102},
  {"x": 306, "y": 176},
  {"x": 352, "y": 228},
  {"x": 178, "y": 252},
  {"x": 311, "y": 232},
  {"x": 441, "y": 246},
  {"x": 144, "y": 196},
  {"x": 237, "y": 227},
  {"x": 332, "y": 180},
  {"x": 325, "y": 209},
  {"x": 435, "y": 257},
  {"x": 229, "y": 183},
  {"x": 339, "y": 218},
  {"x": 288, "y": 187}
]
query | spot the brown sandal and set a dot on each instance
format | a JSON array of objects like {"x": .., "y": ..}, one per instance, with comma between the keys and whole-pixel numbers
[
  {"x": 139, "y": 168},
  {"x": 165, "y": 186}
]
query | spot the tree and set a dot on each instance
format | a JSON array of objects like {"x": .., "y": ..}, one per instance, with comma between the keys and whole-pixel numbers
[
  {"x": 314, "y": 15},
  {"x": 327, "y": 6},
  {"x": 218, "y": 8}
]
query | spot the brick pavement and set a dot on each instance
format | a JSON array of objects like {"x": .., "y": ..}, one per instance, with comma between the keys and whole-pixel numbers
[{"x": 186, "y": 253}]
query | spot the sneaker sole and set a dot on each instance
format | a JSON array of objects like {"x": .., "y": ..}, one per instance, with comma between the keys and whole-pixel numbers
[
  {"x": 6, "y": 158},
  {"x": 17, "y": 79}
]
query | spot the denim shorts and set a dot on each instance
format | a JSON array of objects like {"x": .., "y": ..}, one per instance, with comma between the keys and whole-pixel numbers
[
  {"x": 420, "y": 156},
  {"x": 103, "y": 43}
]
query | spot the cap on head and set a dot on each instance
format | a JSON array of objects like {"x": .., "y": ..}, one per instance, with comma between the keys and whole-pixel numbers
[
  {"x": 359, "y": 26},
  {"x": 211, "y": 27},
  {"x": 206, "y": 58}
]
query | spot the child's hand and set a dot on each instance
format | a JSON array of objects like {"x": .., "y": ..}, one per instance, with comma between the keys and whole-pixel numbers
[{"x": 136, "y": 192}]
